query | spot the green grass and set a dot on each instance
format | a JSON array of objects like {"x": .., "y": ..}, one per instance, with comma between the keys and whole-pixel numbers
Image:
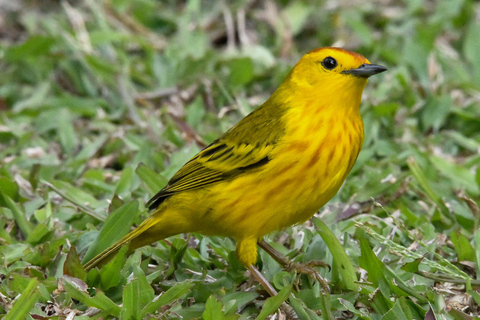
[{"x": 102, "y": 101}]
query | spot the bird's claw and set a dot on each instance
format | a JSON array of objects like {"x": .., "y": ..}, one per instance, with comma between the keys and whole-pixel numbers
[{"x": 309, "y": 270}]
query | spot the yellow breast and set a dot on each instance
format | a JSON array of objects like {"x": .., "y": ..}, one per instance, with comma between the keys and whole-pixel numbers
[{"x": 307, "y": 168}]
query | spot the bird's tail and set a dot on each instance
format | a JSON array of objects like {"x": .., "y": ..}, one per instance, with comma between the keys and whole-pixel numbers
[{"x": 149, "y": 231}]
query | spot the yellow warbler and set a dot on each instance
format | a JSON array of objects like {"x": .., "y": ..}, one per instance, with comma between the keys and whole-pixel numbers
[{"x": 275, "y": 168}]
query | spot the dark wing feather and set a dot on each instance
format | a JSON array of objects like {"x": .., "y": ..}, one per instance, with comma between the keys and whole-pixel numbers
[
  {"x": 243, "y": 148},
  {"x": 215, "y": 163}
]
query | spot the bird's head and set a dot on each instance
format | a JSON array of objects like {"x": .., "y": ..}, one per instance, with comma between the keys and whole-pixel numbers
[{"x": 334, "y": 71}]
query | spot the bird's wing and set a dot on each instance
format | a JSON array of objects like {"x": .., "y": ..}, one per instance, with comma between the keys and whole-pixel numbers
[
  {"x": 245, "y": 147},
  {"x": 219, "y": 161}
]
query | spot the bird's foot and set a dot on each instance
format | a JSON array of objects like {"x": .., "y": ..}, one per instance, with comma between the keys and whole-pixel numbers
[
  {"x": 308, "y": 269},
  {"x": 304, "y": 268}
]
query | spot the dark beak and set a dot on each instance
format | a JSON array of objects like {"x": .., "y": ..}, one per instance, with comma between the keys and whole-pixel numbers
[{"x": 366, "y": 70}]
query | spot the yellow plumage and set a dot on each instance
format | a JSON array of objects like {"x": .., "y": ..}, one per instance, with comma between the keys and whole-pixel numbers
[{"x": 275, "y": 168}]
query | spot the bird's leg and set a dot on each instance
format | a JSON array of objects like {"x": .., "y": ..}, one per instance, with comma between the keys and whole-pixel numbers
[
  {"x": 305, "y": 268},
  {"x": 247, "y": 254},
  {"x": 271, "y": 291},
  {"x": 261, "y": 279}
]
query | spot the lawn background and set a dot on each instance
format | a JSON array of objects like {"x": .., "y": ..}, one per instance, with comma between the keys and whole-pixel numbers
[{"x": 102, "y": 101}]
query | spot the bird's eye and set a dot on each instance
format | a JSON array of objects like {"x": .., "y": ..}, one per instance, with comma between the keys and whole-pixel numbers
[{"x": 329, "y": 63}]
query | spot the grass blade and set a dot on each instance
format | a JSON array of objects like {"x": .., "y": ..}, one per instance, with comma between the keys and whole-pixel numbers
[
  {"x": 25, "y": 303},
  {"x": 340, "y": 259},
  {"x": 115, "y": 227},
  {"x": 23, "y": 224},
  {"x": 174, "y": 293},
  {"x": 272, "y": 304}
]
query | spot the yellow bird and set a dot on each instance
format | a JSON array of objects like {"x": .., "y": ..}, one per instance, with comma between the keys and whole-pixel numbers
[{"x": 275, "y": 168}]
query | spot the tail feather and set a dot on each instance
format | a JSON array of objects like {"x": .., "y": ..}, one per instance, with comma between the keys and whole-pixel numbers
[{"x": 130, "y": 238}]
